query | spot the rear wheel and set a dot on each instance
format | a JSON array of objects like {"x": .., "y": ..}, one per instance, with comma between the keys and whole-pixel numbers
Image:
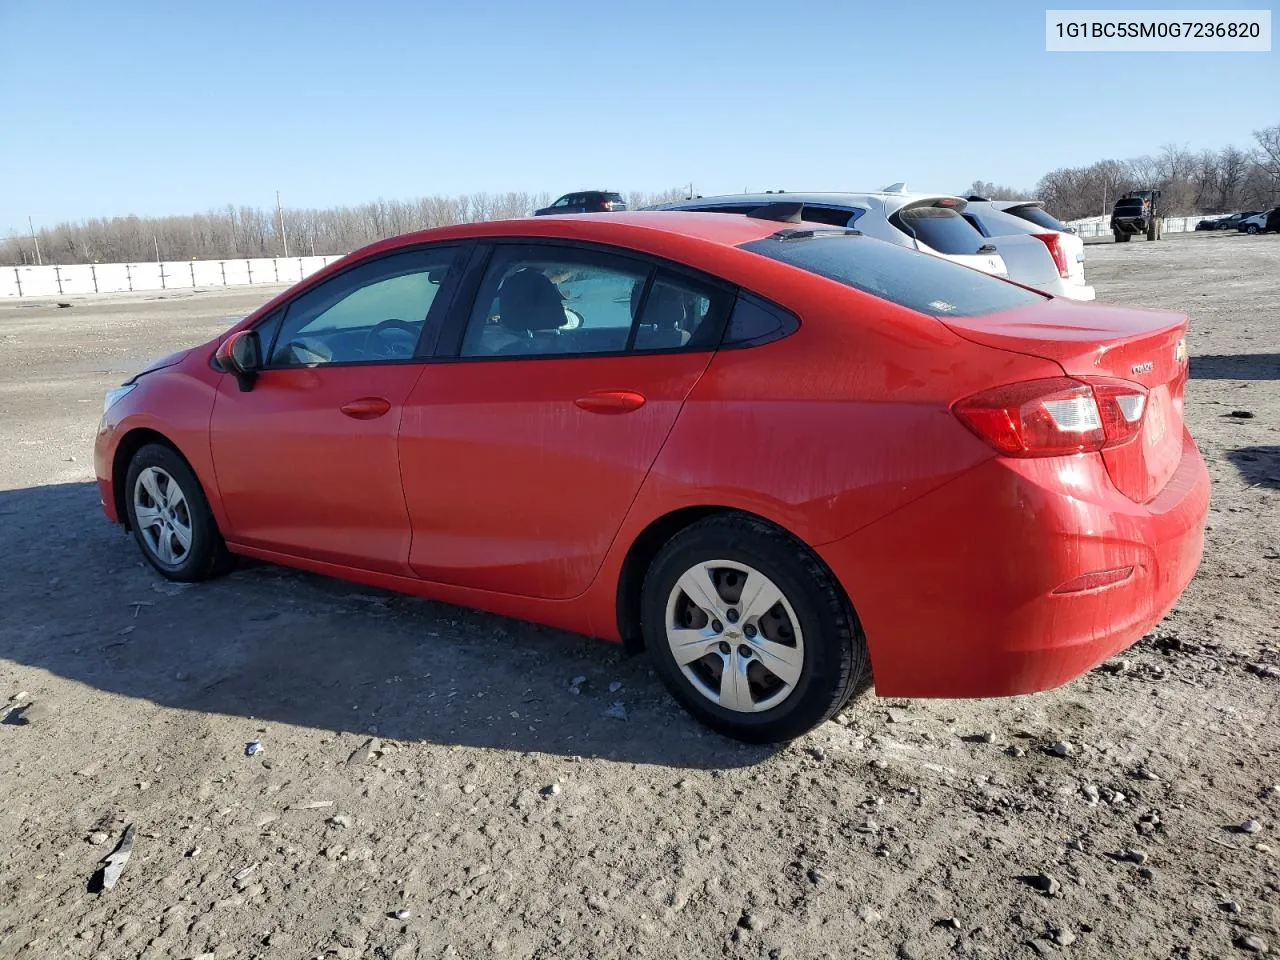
[
  {"x": 170, "y": 516},
  {"x": 749, "y": 631},
  {"x": 1251, "y": 229}
]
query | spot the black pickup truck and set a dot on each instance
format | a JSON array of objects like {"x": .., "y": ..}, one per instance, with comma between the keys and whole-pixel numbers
[{"x": 1135, "y": 214}]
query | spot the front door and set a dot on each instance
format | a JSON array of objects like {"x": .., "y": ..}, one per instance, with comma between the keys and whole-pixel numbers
[
  {"x": 306, "y": 460},
  {"x": 522, "y": 456}
]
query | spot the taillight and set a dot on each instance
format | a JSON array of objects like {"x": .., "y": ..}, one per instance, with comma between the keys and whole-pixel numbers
[
  {"x": 1054, "y": 242},
  {"x": 1055, "y": 417}
]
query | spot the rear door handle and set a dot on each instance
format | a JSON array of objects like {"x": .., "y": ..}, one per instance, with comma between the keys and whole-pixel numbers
[
  {"x": 366, "y": 408},
  {"x": 611, "y": 401}
]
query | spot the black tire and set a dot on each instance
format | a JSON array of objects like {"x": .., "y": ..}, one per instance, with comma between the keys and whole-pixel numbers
[
  {"x": 835, "y": 661},
  {"x": 207, "y": 555},
  {"x": 1122, "y": 238}
]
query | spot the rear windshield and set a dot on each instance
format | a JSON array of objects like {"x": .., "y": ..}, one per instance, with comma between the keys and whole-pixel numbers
[
  {"x": 940, "y": 228},
  {"x": 1038, "y": 216},
  {"x": 995, "y": 223},
  {"x": 919, "y": 281}
]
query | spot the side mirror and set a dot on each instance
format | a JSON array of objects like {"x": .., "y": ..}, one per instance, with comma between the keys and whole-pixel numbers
[{"x": 241, "y": 355}]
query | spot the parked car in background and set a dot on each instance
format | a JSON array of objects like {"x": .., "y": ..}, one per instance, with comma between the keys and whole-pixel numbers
[
  {"x": 1229, "y": 222},
  {"x": 1063, "y": 276},
  {"x": 773, "y": 454},
  {"x": 585, "y": 201},
  {"x": 1262, "y": 222},
  {"x": 931, "y": 223}
]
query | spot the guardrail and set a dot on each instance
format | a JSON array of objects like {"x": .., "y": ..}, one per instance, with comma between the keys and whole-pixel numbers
[{"x": 57, "y": 280}]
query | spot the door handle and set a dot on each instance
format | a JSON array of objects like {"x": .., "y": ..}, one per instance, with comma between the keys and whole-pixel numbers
[
  {"x": 611, "y": 401},
  {"x": 366, "y": 408}
]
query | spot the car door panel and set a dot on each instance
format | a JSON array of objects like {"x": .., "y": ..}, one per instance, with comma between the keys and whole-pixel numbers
[
  {"x": 518, "y": 474},
  {"x": 306, "y": 459},
  {"x": 300, "y": 475}
]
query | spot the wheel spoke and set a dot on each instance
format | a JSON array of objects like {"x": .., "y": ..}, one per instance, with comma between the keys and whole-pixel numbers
[
  {"x": 735, "y": 691},
  {"x": 175, "y": 495},
  {"x": 183, "y": 535},
  {"x": 146, "y": 516},
  {"x": 758, "y": 597},
  {"x": 689, "y": 644},
  {"x": 782, "y": 661},
  {"x": 699, "y": 587},
  {"x": 148, "y": 481},
  {"x": 164, "y": 544}
]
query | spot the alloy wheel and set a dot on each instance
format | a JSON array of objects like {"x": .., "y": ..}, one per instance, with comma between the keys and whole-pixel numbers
[
  {"x": 734, "y": 635},
  {"x": 163, "y": 516}
]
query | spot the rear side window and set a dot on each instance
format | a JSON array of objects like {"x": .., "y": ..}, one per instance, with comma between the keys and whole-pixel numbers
[
  {"x": 918, "y": 281},
  {"x": 1038, "y": 216},
  {"x": 939, "y": 228},
  {"x": 755, "y": 321},
  {"x": 994, "y": 223}
]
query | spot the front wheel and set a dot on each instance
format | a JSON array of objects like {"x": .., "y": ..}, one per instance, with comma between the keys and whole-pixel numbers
[
  {"x": 1251, "y": 229},
  {"x": 749, "y": 631},
  {"x": 170, "y": 516}
]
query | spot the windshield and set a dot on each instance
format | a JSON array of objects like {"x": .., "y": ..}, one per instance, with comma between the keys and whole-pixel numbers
[{"x": 918, "y": 281}]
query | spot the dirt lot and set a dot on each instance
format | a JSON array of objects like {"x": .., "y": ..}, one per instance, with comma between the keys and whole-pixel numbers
[{"x": 427, "y": 759}]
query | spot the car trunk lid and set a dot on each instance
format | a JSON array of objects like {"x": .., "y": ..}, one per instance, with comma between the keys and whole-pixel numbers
[{"x": 1146, "y": 347}]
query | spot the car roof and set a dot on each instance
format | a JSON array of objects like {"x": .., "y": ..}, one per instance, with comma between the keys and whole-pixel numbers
[
  {"x": 600, "y": 227},
  {"x": 889, "y": 200}
]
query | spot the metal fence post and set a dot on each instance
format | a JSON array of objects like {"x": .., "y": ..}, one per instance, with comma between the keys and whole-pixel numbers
[
  {"x": 128, "y": 275},
  {"x": 17, "y": 276},
  {"x": 93, "y": 272},
  {"x": 57, "y": 275}
]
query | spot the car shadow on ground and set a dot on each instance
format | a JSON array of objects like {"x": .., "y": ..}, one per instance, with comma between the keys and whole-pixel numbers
[
  {"x": 281, "y": 646},
  {"x": 1258, "y": 466},
  {"x": 1241, "y": 366}
]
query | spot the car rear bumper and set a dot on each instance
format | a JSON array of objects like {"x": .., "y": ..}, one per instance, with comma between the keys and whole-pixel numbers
[
  {"x": 956, "y": 591},
  {"x": 1070, "y": 289}
]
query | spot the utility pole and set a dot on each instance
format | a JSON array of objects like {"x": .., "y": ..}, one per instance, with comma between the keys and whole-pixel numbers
[
  {"x": 36, "y": 241},
  {"x": 280, "y": 213},
  {"x": 157, "y": 244}
]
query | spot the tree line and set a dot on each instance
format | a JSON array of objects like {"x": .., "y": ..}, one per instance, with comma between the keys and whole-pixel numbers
[
  {"x": 1190, "y": 183},
  {"x": 1211, "y": 181},
  {"x": 237, "y": 232}
]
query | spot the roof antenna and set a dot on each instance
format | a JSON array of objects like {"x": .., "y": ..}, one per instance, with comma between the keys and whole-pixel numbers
[{"x": 895, "y": 188}]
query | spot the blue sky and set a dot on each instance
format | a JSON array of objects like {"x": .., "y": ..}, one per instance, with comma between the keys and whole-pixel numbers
[{"x": 118, "y": 108}]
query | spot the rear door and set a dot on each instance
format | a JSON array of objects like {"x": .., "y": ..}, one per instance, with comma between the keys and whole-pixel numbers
[{"x": 523, "y": 447}]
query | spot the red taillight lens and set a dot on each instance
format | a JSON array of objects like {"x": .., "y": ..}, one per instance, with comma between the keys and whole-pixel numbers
[
  {"x": 1054, "y": 242},
  {"x": 1055, "y": 417}
]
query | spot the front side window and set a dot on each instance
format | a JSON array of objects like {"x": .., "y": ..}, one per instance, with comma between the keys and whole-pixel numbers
[
  {"x": 546, "y": 302},
  {"x": 562, "y": 202},
  {"x": 373, "y": 312}
]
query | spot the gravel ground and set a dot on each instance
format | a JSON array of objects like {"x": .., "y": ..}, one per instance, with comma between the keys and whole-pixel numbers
[{"x": 440, "y": 783}]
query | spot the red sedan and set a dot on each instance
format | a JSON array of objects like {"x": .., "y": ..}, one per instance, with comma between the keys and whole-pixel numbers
[{"x": 778, "y": 455}]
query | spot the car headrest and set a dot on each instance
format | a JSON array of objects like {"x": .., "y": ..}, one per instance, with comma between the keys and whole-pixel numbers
[{"x": 529, "y": 301}]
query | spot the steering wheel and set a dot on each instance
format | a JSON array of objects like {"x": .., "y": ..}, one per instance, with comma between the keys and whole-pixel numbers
[{"x": 389, "y": 350}]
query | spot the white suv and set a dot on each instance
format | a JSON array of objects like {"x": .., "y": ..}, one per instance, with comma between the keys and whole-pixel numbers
[{"x": 931, "y": 223}]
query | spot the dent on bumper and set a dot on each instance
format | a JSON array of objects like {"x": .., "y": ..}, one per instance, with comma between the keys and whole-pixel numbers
[{"x": 955, "y": 591}]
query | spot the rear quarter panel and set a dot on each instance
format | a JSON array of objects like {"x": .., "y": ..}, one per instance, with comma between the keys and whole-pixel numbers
[{"x": 828, "y": 430}]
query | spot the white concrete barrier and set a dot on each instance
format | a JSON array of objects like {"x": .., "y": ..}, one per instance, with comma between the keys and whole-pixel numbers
[{"x": 79, "y": 279}]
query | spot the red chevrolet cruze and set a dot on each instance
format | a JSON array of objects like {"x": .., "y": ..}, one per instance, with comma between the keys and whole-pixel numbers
[{"x": 778, "y": 455}]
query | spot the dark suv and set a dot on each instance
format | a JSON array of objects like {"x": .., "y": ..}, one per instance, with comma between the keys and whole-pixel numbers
[{"x": 587, "y": 201}]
